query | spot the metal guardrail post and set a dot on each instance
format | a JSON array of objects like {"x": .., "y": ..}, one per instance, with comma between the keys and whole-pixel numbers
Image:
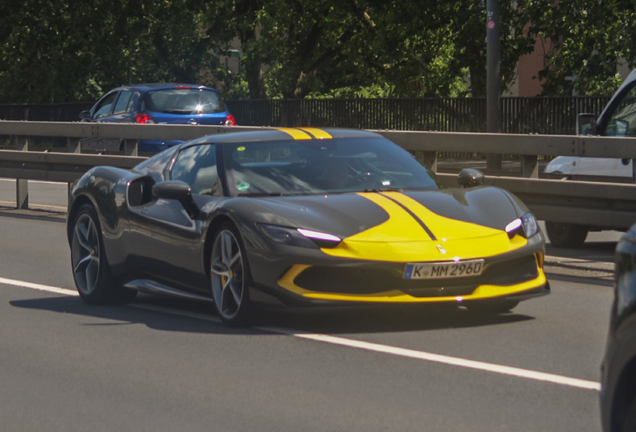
[
  {"x": 131, "y": 147},
  {"x": 529, "y": 166},
  {"x": 22, "y": 185},
  {"x": 74, "y": 146},
  {"x": 429, "y": 160}
]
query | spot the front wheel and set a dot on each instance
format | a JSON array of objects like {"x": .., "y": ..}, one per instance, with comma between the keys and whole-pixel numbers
[
  {"x": 230, "y": 277},
  {"x": 91, "y": 271},
  {"x": 566, "y": 235}
]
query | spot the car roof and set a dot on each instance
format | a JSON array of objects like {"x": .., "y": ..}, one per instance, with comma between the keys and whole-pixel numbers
[
  {"x": 284, "y": 134},
  {"x": 160, "y": 86}
]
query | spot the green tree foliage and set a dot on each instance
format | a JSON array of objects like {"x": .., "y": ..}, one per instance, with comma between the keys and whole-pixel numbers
[
  {"x": 468, "y": 26},
  {"x": 371, "y": 47},
  {"x": 71, "y": 50},
  {"x": 590, "y": 39}
]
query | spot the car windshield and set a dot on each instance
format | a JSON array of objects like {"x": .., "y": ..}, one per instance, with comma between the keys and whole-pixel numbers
[
  {"x": 322, "y": 166},
  {"x": 184, "y": 101}
]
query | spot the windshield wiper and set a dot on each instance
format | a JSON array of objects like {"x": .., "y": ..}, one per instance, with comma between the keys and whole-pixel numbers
[
  {"x": 384, "y": 189},
  {"x": 260, "y": 194},
  {"x": 178, "y": 111}
]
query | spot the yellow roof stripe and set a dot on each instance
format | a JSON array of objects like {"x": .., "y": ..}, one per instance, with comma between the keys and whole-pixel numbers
[
  {"x": 318, "y": 133},
  {"x": 296, "y": 134}
]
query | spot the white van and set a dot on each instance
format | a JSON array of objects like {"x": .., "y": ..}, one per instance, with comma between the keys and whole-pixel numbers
[{"x": 617, "y": 119}]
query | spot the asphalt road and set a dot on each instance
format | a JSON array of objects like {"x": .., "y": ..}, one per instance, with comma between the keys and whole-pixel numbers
[{"x": 165, "y": 365}]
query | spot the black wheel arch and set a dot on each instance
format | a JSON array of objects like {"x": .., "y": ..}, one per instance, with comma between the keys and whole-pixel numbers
[{"x": 77, "y": 204}]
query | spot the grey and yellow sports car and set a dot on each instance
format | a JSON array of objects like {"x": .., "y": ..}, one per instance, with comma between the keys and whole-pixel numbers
[{"x": 299, "y": 217}]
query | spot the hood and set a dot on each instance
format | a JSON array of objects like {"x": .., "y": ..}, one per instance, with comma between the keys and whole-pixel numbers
[
  {"x": 408, "y": 226},
  {"x": 452, "y": 213}
]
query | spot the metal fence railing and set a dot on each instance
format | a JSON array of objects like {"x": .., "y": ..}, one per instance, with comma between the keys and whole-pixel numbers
[
  {"x": 66, "y": 112},
  {"x": 543, "y": 115},
  {"x": 604, "y": 205}
]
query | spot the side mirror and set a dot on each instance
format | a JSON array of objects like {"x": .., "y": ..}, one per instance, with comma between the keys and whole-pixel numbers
[
  {"x": 586, "y": 124},
  {"x": 469, "y": 177},
  {"x": 85, "y": 115},
  {"x": 180, "y": 191}
]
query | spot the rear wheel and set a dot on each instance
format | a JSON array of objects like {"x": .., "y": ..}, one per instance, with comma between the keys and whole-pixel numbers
[
  {"x": 230, "y": 276},
  {"x": 566, "y": 235},
  {"x": 91, "y": 271}
]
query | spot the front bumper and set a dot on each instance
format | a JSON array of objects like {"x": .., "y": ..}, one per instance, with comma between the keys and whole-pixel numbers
[{"x": 312, "y": 278}]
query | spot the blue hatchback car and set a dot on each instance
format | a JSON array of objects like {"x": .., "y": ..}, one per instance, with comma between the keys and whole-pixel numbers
[{"x": 156, "y": 103}]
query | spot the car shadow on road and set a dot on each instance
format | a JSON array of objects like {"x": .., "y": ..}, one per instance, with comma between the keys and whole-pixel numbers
[
  {"x": 384, "y": 319},
  {"x": 170, "y": 314},
  {"x": 138, "y": 312}
]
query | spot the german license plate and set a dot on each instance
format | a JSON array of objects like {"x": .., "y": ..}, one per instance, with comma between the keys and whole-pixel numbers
[{"x": 445, "y": 270}]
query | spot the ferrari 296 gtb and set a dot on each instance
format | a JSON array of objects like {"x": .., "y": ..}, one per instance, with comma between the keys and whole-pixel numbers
[{"x": 300, "y": 217}]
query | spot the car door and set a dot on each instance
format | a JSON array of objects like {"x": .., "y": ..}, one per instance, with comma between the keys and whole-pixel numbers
[
  {"x": 102, "y": 111},
  {"x": 168, "y": 243},
  {"x": 618, "y": 121},
  {"x": 123, "y": 108}
]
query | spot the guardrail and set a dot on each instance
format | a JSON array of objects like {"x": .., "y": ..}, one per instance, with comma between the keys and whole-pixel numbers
[{"x": 607, "y": 205}]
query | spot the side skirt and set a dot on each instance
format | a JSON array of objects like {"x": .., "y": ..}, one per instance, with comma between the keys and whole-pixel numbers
[{"x": 152, "y": 287}]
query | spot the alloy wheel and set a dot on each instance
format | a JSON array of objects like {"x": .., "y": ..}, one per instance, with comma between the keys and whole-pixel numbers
[
  {"x": 85, "y": 252},
  {"x": 227, "y": 273}
]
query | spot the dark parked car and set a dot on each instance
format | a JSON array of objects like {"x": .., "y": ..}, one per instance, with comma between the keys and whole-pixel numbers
[
  {"x": 300, "y": 217},
  {"x": 618, "y": 382},
  {"x": 156, "y": 104}
]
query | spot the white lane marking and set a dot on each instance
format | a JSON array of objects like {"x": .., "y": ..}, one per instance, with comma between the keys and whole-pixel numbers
[
  {"x": 454, "y": 361},
  {"x": 22, "y": 284},
  {"x": 368, "y": 346}
]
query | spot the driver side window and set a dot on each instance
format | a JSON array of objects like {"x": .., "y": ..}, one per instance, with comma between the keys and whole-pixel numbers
[
  {"x": 196, "y": 166},
  {"x": 623, "y": 120},
  {"x": 104, "y": 107}
]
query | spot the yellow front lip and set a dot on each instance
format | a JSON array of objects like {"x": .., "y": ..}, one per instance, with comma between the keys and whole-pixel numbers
[{"x": 482, "y": 292}]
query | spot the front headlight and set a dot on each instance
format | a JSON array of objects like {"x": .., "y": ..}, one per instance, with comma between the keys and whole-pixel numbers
[
  {"x": 299, "y": 237},
  {"x": 526, "y": 225}
]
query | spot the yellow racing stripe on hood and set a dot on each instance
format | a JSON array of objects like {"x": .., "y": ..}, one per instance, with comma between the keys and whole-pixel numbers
[
  {"x": 296, "y": 134},
  {"x": 440, "y": 226},
  {"x": 401, "y": 238}
]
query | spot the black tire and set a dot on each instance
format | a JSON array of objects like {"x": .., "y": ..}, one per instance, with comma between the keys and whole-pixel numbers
[
  {"x": 566, "y": 235},
  {"x": 629, "y": 424},
  {"x": 492, "y": 307},
  {"x": 91, "y": 272},
  {"x": 230, "y": 277}
]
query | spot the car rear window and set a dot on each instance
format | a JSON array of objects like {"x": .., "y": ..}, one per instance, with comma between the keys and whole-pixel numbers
[{"x": 184, "y": 101}]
